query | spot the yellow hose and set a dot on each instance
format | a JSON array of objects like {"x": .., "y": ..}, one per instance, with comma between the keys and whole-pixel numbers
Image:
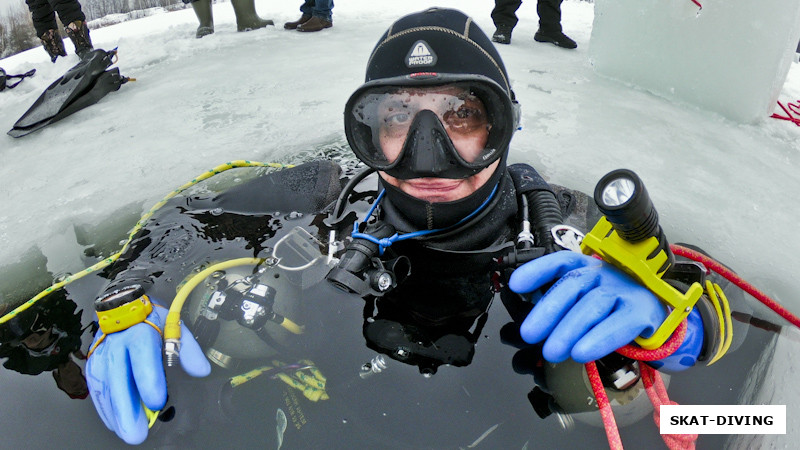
[
  {"x": 110, "y": 260},
  {"x": 291, "y": 326},
  {"x": 172, "y": 327}
]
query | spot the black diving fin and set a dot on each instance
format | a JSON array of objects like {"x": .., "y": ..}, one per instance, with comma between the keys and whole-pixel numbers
[{"x": 83, "y": 85}]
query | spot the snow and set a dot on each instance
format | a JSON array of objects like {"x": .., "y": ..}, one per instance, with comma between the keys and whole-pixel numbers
[{"x": 270, "y": 94}]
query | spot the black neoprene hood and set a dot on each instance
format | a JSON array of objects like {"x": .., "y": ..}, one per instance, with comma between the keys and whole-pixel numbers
[
  {"x": 451, "y": 44},
  {"x": 436, "y": 47}
]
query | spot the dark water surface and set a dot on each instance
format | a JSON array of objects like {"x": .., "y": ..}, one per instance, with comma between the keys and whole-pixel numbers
[{"x": 486, "y": 403}]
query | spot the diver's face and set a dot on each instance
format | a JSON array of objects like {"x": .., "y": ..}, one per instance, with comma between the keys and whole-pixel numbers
[{"x": 464, "y": 118}]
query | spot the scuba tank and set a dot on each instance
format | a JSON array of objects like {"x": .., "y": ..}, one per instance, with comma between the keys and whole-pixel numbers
[{"x": 244, "y": 313}]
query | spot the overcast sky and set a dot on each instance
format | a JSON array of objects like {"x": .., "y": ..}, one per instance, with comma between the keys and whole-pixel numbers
[{"x": 11, "y": 6}]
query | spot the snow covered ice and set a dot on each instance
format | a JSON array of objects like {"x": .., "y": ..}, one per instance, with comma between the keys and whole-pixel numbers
[{"x": 270, "y": 94}]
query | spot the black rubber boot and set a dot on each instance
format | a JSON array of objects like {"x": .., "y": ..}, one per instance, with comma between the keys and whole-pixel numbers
[
  {"x": 246, "y": 17},
  {"x": 53, "y": 44},
  {"x": 559, "y": 39},
  {"x": 78, "y": 33},
  {"x": 502, "y": 35},
  {"x": 202, "y": 9}
]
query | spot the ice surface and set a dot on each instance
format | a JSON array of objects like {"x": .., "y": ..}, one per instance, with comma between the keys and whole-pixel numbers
[{"x": 731, "y": 56}]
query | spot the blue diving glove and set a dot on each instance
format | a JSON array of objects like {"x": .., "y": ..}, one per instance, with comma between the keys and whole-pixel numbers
[
  {"x": 592, "y": 309},
  {"x": 125, "y": 373}
]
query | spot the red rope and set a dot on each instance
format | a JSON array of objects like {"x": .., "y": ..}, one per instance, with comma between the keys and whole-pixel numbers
[
  {"x": 673, "y": 343},
  {"x": 737, "y": 280},
  {"x": 609, "y": 423},
  {"x": 657, "y": 397},
  {"x": 654, "y": 386},
  {"x": 788, "y": 115}
]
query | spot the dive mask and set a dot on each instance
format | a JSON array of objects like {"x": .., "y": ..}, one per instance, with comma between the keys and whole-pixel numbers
[{"x": 431, "y": 128}]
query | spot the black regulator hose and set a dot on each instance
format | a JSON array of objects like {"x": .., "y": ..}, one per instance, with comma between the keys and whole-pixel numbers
[{"x": 546, "y": 212}]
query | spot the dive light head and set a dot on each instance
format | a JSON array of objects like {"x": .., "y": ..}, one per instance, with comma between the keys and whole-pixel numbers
[{"x": 623, "y": 199}]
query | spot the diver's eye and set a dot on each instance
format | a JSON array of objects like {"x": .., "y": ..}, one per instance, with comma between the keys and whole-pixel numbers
[
  {"x": 465, "y": 120},
  {"x": 397, "y": 119}
]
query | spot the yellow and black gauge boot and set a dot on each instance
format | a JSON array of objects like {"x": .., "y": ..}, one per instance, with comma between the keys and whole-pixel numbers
[
  {"x": 53, "y": 44},
  {"x": 202, "y": 8},
  {"x": 246, "y": 17},
  {"x": 78, "y": 33}
]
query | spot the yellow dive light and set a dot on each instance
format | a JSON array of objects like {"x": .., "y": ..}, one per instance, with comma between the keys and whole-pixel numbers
[{"x": 630, "y": 238}]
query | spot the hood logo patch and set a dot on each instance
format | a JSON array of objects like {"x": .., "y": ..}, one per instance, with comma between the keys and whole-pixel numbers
[{"x": 420, "y": 55}]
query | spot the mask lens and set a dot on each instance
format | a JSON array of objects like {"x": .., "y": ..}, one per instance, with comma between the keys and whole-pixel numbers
[{"x": 381, "y": 120}]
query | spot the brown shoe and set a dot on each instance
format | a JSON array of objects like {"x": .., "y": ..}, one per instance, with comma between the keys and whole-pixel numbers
[
  {"x": 52, "y": 42},
  {"x": 296, "y": 23},
  {"x": 315, "y": 24}
]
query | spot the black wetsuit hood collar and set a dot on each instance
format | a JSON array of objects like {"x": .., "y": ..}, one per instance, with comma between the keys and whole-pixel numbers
[{"x": 409, "y": 213}]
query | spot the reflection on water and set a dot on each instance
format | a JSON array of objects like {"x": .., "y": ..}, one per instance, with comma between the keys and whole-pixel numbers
[{"x": 47, "y": 338}]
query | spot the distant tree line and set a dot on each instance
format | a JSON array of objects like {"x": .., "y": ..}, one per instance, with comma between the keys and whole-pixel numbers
[
  {"x": 95, "y": 9},
  {"x": 16, "y": 28}
]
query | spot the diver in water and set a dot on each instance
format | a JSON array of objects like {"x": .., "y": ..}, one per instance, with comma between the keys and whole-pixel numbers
[{"x": 452, "y": 219}]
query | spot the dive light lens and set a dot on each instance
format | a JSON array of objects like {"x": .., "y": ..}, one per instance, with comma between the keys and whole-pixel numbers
[
  {"x": 623, "y": 199},
  {"x": 618, "y": 192}
]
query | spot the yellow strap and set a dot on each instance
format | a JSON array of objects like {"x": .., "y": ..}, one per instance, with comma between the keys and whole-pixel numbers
[
  {"x": 314, "y": 371},
  {"x": 724, "y": 312},
  {"x": 96, "y": 344},
  {"x": 309, "y": 381},
  {"x": 151, "y": 415},
  {"x": 103, "y": 336},
  {"x": 309, "y": 392},
  {"x": 158, "y": 330},
  {"x": 312, "y": 386},
  {"x": 125, "y": 316},
  {"x": 712, "y": 297},
  {"x": 239, "y": 380}
]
